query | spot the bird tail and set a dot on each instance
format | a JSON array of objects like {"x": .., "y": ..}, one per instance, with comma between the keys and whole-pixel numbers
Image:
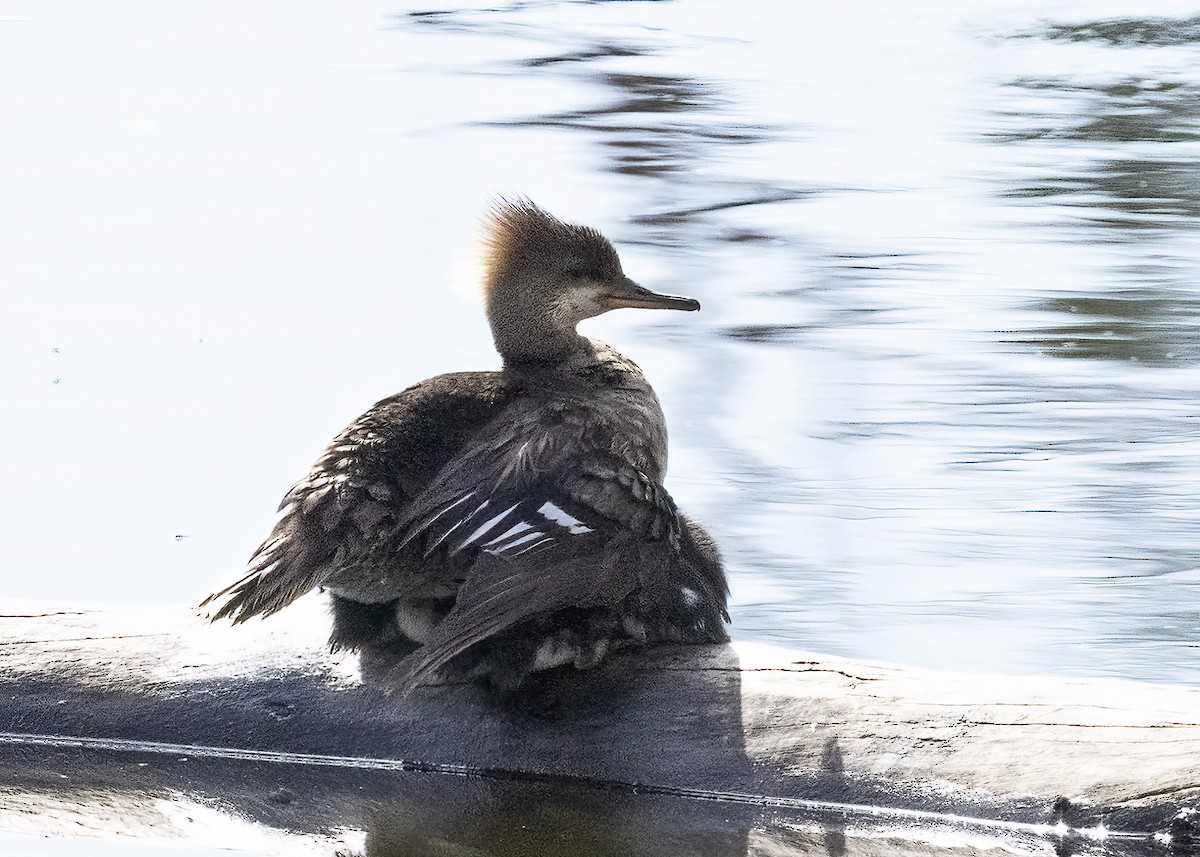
[{"x": 275, "y": 577}]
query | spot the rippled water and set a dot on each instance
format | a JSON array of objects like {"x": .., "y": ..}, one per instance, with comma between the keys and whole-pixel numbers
[{"x": 940, "y": 407}]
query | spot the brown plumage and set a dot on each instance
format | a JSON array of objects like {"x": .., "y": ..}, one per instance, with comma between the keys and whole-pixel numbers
[{"x": 503, "y": 522}]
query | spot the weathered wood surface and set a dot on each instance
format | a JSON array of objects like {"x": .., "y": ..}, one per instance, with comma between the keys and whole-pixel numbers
[{"x": 757, "y": 727}]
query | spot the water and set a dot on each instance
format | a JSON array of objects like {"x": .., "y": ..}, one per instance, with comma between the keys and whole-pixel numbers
[{"x": 940, "y": 407}]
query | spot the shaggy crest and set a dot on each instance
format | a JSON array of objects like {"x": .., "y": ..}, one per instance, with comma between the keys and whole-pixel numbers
[{"x": 517, "y": 235}]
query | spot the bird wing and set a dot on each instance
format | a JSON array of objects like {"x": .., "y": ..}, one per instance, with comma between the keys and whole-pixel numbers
[
  {"x": 546, "y": 523},
  {"x": 502, "y": 593},
  {"x": 346, "y": 512}
]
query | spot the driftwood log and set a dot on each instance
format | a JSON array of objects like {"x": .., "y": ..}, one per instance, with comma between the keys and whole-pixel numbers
[{"x": 716, "y": 750}]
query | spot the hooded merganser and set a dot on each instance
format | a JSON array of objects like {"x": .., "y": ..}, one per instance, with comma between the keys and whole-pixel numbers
[{"x": 503, "y": 523}]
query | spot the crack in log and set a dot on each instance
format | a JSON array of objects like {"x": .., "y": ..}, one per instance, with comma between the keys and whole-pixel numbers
[
  {"x": 1171, "y": 725},
  {"x": 1168, "y": 790},
  {"x": 1165, "y": 714},
  {"x": 968, "y": 723},
  {"x": 78, "y": 639},
  {"x": 807, "y": 726},
  {"x": 43, "y": 615},
  {"x": 789, "y": 670},
  {"x": 1090, "y": 706}
]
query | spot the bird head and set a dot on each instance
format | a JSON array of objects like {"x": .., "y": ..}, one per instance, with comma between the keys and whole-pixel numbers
[{"x": 543, "y": 276}]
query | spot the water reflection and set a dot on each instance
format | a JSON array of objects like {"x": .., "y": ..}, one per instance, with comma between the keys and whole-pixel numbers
[
  {"x": 1139, "y": 188},
  {"x": 1127, "y": 110},
  {"x": 1153, "y": 327},
  {"x": 392, "y": 815},
  {"x": 222, "y": 805},
  {"x": 1131, "y": 31},
  {"x": 635, "y": 129},
  {"x": 670, "y": 128}
]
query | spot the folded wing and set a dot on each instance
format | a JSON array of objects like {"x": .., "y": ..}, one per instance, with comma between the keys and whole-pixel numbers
[
  {"x": 545, "y": 527},
  {"x": 343, "y": 521}
]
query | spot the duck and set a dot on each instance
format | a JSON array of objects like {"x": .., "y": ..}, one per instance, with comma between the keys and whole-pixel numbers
[{"x": 487, "y": 526}]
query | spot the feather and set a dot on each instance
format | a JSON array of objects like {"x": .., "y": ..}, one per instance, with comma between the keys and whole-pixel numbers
[
  {"x": 502, "y": 593},
  {"x": 337, "y": 526}
]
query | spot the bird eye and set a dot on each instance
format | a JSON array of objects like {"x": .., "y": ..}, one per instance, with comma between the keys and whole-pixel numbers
[{"x": 576, "y": 270}]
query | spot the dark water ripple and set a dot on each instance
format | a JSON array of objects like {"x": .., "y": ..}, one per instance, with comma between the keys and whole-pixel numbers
[
  {"x": 1161, "y": 32},
  {"x": 1140, "y": 187}
]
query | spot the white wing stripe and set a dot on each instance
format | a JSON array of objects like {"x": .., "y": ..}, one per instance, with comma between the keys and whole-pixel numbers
[
  {"x": 573, "y": 525},
  {"x": 464, "y": 498},
  {"x": 522, "y": 534},
  {"x": 485, "y": 527},
  {"x": 535, "y": 545},
  {"x": 536, "y": 534},
  {"x": 462, "y": 521},
  {"x": 519, "y": 527}
]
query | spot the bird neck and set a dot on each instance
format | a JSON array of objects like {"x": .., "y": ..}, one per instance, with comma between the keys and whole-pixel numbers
[
  {"x": 528, "y": 331},
  {"x": 533, "y": 343}
]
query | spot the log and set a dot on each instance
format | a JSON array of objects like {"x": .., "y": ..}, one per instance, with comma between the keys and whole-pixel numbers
[{"x": 730, "y": 749}]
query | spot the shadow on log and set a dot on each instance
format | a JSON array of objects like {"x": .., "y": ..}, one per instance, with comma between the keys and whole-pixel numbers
[{"x": 718, "y": 750}]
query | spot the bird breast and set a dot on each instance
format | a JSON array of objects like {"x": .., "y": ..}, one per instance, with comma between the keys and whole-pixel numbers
[{"x": 611, "y": 406}]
